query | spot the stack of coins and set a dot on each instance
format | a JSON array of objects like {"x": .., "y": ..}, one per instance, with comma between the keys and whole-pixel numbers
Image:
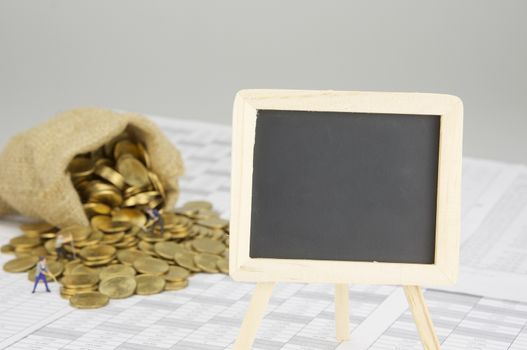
[
  {"x": 123, "y": 253},
  {"x": 117, "y": 175},
  {"x": 77, "y": 283}
]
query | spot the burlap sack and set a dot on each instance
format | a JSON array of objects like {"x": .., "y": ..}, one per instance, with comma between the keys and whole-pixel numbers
[{"x": 33, "y": 177}]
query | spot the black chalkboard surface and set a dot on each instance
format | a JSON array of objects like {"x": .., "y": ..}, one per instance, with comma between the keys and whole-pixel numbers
[{"x": 344, "y": 186}]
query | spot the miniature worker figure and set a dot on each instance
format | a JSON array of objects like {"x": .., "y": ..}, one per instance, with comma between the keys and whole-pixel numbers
[
  {"x": 156, "y": 219},
  {"x": 59, "y": 245},
  {"x": 40, "y": 273}
]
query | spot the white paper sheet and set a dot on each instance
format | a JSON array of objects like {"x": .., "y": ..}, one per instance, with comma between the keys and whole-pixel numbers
[
  {"x": 494, "y": 240},
  {"x": 207, "y": 315}
]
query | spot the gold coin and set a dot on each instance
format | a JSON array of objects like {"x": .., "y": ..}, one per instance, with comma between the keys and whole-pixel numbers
[
  {"x": 203, "y": 214},
  {"x": 134, "y": 231},
  {"x": 216, "y": 235},
  {"x": 70, "y": 265},
  {"x": 68, "y": 293},
  {"x": 109, "y": 147},
  {"x": 77, "y": 232},
  {"x": 133, "y": 171},
  {"x": 128, "y": 256},
  {"x": 94, "y": 238},
  {"x": 172, "y": 286},
  {"x": 56, "y": 268},
  {"x": 207, "y": 245},
  {"x": 186, "y": 260},
  {"x": 127, "y": 242},
  {"x": 81, "y": 167},
  {"x": 146, "y": 248},
  {"x": 183, "y": 223},
  {"x": 156, "y": 203},
  {"x": 118, "y": 287},
  {"x": 154, "y": 179},
  {"x": 126, "y": 239},
  {"x": 79, "y": 281},
  {"x": 92, "y": 209},
  {"x": 207, "y": 262},
  {"x": 97, "y": 186},
  {"x": 116, "y": 270},
  {"x": 48, "y": 235},
  {"x": 182, "y": 248},
  {"x": 200, "y": 231},
  {"x": 50, "y": 247},
  {"x": 111, "y": 176},
  {"x": 213, "y": 222},
  {"x": 89, "y": 300},
  {"x": 97, "y": 252},
  {"x": 152, "y": 237},
  {"x": 151, "y": 266},
  {"x": 82, "y": 270},
  {"x": 133, "y": 216},
  {"x": 178, "y": 223},
  {"x": 7, "y": 249},
  {"x": 126, "y": 147},
  {"x": 186, "y": 211},
  {"x": 24, "y": 242},
  {"x": 21, "y": 254},
  {"x": 82, "y": 185},
  {"x": 34, "y": 229},
  {"x": 23, "y": 251},
  {"x": 21, "y": 264},
  {"x": 145, "y": 157},
  {"x": 99, "y": 221},
  {"x": 223, "y": 265},
  {"x": 179, "y": 235},
  {"x": 111, "y": 238},
  {"x": 133, "y": 190},
  {"x": 99, "y": 262},
  {"x": 176, "y": 273},
  {"x": 198, "y": 205},
  {"x": 167, "y": 249},
  {"x": 170, "y": 220},
  {"x": 188, "y": 246},
  {"x": 149, "y": 284},
  {"x": 107, "y": 225},
  {"x": 111, "y": 197},
  {"x": 102, "y": 161},
  {"x": 143, "y": 198}
]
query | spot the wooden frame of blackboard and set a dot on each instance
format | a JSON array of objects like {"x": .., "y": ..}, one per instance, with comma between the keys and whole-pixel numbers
[{"x": 443, "y": 271}]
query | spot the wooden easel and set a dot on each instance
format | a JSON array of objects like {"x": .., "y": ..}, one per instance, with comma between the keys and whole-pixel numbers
[
  {"x": 263, "y": 291},
  {"x": 266, "y": 266}
]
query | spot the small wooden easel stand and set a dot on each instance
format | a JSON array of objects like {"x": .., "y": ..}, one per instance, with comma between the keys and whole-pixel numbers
[{"x": 263, "y": 291}]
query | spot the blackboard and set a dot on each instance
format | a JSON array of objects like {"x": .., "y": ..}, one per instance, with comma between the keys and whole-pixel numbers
[{"x": 344, "y": 186}]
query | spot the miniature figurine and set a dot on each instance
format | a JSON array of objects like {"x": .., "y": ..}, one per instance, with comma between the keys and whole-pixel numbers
[
  {"x": 59, "y": 245},
  {"x": 156, "y": 219},
  {"x": 40, "y": 273}
]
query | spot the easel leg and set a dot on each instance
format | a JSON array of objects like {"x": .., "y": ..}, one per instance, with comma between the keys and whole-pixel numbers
[
  {"x": 342, "y": 311},
  {"x": 253, "y": 316},
  {"x": 423, "y": 322}
]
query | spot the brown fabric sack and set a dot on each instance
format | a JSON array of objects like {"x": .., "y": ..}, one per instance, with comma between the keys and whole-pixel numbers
[{"x": 33, "y": 177}]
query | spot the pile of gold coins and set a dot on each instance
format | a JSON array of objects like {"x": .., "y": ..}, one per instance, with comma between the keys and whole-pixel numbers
[{"x": 123, "y": 252}]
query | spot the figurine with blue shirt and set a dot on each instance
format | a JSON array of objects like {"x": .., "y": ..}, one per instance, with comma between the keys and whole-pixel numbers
[
  {"x": 41, "y": 272},
  {"x": 155, "y": 218}
]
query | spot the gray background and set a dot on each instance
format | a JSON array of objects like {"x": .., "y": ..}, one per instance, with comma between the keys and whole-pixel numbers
[{"x": 187, "y": 59}]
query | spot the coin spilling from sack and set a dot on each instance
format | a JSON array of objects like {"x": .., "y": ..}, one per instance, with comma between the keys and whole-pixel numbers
[{"x": 133, "y": 245}]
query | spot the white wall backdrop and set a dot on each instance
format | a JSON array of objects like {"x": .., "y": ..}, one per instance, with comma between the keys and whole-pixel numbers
[{"x": 187, "y": 59}]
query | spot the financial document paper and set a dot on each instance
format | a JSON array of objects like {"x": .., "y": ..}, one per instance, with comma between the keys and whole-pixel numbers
[{"x": 487, "y": 309}]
